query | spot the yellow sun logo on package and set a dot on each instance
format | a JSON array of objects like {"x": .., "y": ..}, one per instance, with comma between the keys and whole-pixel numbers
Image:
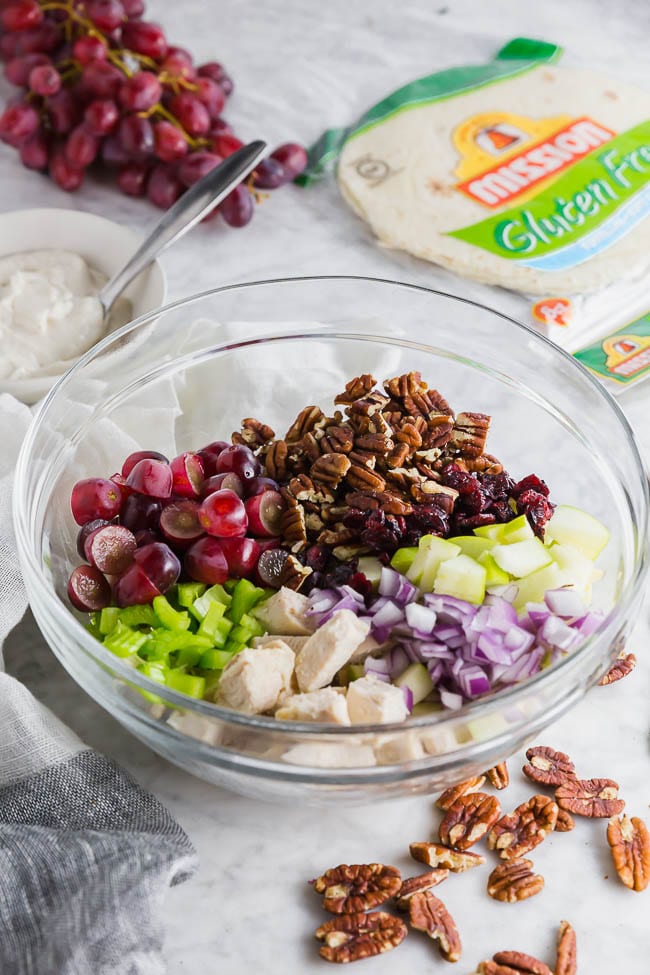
[{"x": 623, "y": 356}]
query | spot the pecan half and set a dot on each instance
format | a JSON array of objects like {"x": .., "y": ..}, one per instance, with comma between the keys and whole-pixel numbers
[
  {"x": 406, "y": 385},
  {"x": 514, "y": 881},
  {"x": 304, "y": 489},
  {"x": 292, "y": 523},
  {"x": 427, "y": 913},
  {"x": 311, "y": 447},
  {"x": 398, "y": 455},
  {"x": 392, "y": 504},
  {"x": 547, "y": 766},
  {"x": 363, "y": 458},
  {"x": 361, "y": 478},
  {"x": 484, "y": 464},
  {"x": 418, "y": 885},
  {"x": 304, "y": 423},
  {"x": 436, "y": 855},
  {"x": 623, "y": 665},
  {"x": 438, "y": 431},
  {"x": 566, "y": 963},
  {"x": 498, "y": 776},
  {"x": 338, "y": 440},
  {"x": 376, "y": 443},
  {"x": 253, "y": 433},
  {"x": 275, "y": 460},
  {"x": 351, "y": 937},
  {"x": 330, "y": 469},
  {"x": 409, "y": 434},
  {"x": 594, "y": 798},
  {"x": 630, "y": 844},
  {"x": 449, "y": 796},
  {"x": 350, "y": 888},
  {"x": 470, "y": 433},
  {"x": 293, "y": 573},
  {"x": 357, "y": 388},
  {"x": 519, "y": 962},
  {"x": 522, "y": 830},
  {"x": 565, "y": 821},
  {"x": 468, "y": 819}
]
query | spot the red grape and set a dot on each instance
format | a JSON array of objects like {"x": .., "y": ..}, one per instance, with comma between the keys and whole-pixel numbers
[
  {"x": 197, "y": 165},
  {"x": 163, "y": 186},
  {"x": 191, "y": 113},
  {"x": 136, "y": 136},
  {"x": 151, "y": 477},
  {"x": 237, "y": 208},
  {"x": 81, "y": 147},
  {"x": 21, "y": 15},
  {"x": 133, "y": 8},
  {"x": 205, "y": 562},
  {"x": 140, "y": 513},
  {"x": 219, "y": 482},
  {"x": 132, "y": 178},
  {"x": 171, "y": 144},
  {"x": 178, "y": 64},
  {"x": 159, "y": 563},
  {"x": 145, "y": 537},
  {"x": 101, "y": 79},
  {"x": 88, "y": 590},
  {"x": 112, "y": 152},
  {"x": 88, "y": 48},
  {"x": 95, "y": 497},
  {"x": 64, "y": 111},
  {"x": 239, "y": 459},
  {"x": 101, "y": 116},
  {"x": 86, "y": 530},
  {"x": 265, "y": 513},
  {"x": 258, "y": 485},
  {"x": 44, "y": 38},
  {"x": 226, "y": 144},
  {"x": 179, "y": 523},
  {"x": 18, "y": 123},
  {"x": 106, "y": 14},
  {"x": 242, "y": 555},
  {"x": 188, "y": 475},
  {"x": 145, "y": 38},
  {"x": 63, "y": 174},
  {"x": 18, "y": 70},
  {"x": 209, "y": 454},
  {"x": 211, "y": 95},
  {"x": 219, "y": 127},
  {"x": 269, "y": 174},
  {"x": 292, "y": 157},
  {"x": 215, "y": 71},
  {"x": 134, "y": 587},
  {"x": 45, "y": 80},
  {"x": 111, "y": 549},
  {"x": 35, "y": 153},
  {"x": 140, "y": 92},
  {"x": 137, "y": 455},
  {"x": 223, "y": 514},
  {"x": 270, "y": 566}
]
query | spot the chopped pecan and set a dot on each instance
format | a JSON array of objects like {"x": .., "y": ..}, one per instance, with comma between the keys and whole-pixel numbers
[
  {"x": 351, "y": 937},
  {"x": 345, "y": 553},
  {"x": 484, "y": 464},
  {"x": 425, "y": 490},
  {"x": 350, "y": 888},
  {"x": 311, "y": 447},
  {"x": 409, "y": 435},
  {"x": 594, "y": 798},
  {"x": 403, "y": 477},
  {"x": 630, "y": 843},
  {"x": 304, "y": 489},
  {"x": 566, "y": 963},
  {"x": 438, "y": 432},
  {"x": 468, "y": 819},
  {"x": 337, "y": 440},
  {"x": 253, "y": 433},
  {"x": 292, "y": 524},
  {"x": 304, "y": 423},
  {"x": 565, "y": 821},
  {"x": 275, "y": 460},
  {"x": 514, "y": 881},
  {"x": 363, "y": 458},
  {"x": 357, "y": 388},
  {"x": 547, "y": 766},
  {"x": 522, "y": 830},
  {"x": 437, "y": 855},
  {"x": 337, "y": 536},
  {"x": 449, "y": 796},
  {"x": 418, "y": 885},
  {"x": 406, "y": 385},
  {"x": 521, "y": 963},
  {"x": 427, "y": 913},
  {"x": 624, "y": 665},
  {"x": 363, "y": 479},
  {"x": 375, "y": 443},
  {"x": 293, "y": 573},
  {"x": 470, "y": 433},
  {"x": 314, "y": 522},
  {"x": 330, "y": 469},
  {"x": 392, "y": 504},
  {"x": 498, "y": 776},
  {"x": 364, "y": 502}
]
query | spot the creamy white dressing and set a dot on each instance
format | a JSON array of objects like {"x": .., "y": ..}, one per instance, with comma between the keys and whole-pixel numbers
[{"x": 49, "y": 311}]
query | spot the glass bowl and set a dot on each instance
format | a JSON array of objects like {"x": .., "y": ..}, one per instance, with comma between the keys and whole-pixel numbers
[{"x": 189, "y": 373}]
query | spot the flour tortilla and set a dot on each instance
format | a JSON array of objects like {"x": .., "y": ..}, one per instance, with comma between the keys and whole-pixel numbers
[{"x": 418, "y": 204}]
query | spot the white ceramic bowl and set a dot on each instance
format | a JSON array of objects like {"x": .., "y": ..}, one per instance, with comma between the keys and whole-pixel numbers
[{"x": 105, "y": 245}]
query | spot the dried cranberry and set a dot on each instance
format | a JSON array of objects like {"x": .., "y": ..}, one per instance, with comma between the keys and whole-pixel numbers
[
  {"x": 316, "y": 558},
  {"x": 465, "y": 524},
  {"x": 536, "y": 508},
  {"x": 429, "y": 519},
  {"x": 359, "y": 582},
  {"x": 498, "y": 487},
  {"x": 531, "y": 483},
  {"x": 355, "y": 520},
  {"x": 453, "y": 476},
  {"x": 501, "y": 511}
]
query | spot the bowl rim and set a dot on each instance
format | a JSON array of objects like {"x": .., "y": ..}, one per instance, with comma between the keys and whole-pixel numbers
[{"x": 96, "y": 650}]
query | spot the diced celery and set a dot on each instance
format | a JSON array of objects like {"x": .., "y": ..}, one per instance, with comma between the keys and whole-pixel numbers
[
  {"x": 153, "y": 671},
  {"x": 417, "y": 678},
  {"x": 211, "y": 678},
  {"x": 189, "y": 656},
  {"x": 221, "y": 632},
  {"x": 214, "y": 659},
  {"x": 189, "y": 592},
  {"x": 244, "y": 596},
  {"x": 403, "y": 558},
  {"x": 250, "y": 623},
  {"x": 168, "y": 617},
  {"x": 124, "y": 641},
  {"x": 142, "y": 615},
  {"x": 461, "y": 577},
  {"x": 201, "y": 605},
  {"x": 93, "y": 626},
  {"x": 233, "y": 647},
  {"x": 169, "y": 640},
  {"x": 229, "y": 585},
  {"x": 108, "y": 619},
  {"x": 188, "y": 684},
  {"x": 213, "y": 616},
  {"x": 473, "y": 545}
]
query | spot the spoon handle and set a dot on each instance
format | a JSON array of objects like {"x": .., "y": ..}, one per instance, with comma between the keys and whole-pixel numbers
[{"x": 184, "y": 214}]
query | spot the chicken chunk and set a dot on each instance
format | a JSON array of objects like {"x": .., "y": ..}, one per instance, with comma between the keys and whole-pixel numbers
[
  {"x": 327, "y": 704},
  {"x": 256, "y": 677},
  {"x": 371, "y": 701},
  {"x": 296, "y": 643},
  {"x": 285, "y": 613},
  {"x": 328, "y": 649}
]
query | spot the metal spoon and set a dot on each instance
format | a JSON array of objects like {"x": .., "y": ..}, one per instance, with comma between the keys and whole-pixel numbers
[{"x": 184, "y": 214}]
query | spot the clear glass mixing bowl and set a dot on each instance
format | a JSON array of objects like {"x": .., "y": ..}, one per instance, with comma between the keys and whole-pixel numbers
[{"x": 189, "y": 373}]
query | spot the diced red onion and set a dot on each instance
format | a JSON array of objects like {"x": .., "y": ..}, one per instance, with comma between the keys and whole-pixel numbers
[
  {"x": 473, "y": 681},
  {"x": 451, "y": 700},
  {"x": 537, "y": 612},
  {"x": 408, "y": 697},
  {"x": 556, "y": 633},
  {"x": 588, "y": 624},
  {"x": 421, "y": 619},
  {"x": 565, "y": 603},
  {"x": 396, "y": 586},
  {"x": 377, "y": 667}
]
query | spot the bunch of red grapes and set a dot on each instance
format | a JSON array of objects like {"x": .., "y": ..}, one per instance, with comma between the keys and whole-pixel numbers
[
  {"x": 207, "y": 515},
  {"x": 101, "y": 85}
]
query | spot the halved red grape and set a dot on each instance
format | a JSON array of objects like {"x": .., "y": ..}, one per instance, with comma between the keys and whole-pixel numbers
[
  {"x": 241, "y": 555},
  {"x": 179, "y": 522},
  {"x": 151, "y": 477},
  {"x": 95, "y": 497},
  {"x": 188, "y": 475},
  {"x": 258, "y": 485},
  {"x": 206, "y": 562},
  {"x": 137, "y": 455},
  {"x": 140, "y": 513},
  {"x": 219, "y": 482},
  {"x": 223, "y": 514},
  {"x": 270, "y": 565},
  {"x": 264, "y": 513},
  {"x": 86, "y": 530},
  {"x": 134, "y": 587},
  {"x": 240, "y": 460},
  {"x": 111, "y": 549},
  {"x": 209, "y": 454},
  {"x": 88, "y": 590},
  {"x": 159, "y": 563}
]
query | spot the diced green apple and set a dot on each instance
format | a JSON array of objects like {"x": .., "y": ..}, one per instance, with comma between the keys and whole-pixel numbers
[
  {"x": 371, "y": 568},
  {"x": 517, "y": 530},
  {"x": 494, "y": 576},
  {"x": 532, "y": 588},
  {"x": 416, "y": 676},
  {"x": 473, "y": 545},
  {"x": 432, "y": 552},
  {"x": 578, "y": 567},
  {"x": 403, "y": 558},
  {"x": 520, "y": 559},
  {"x": 461, "y": 577},
  {"x": 571, "y": 526}
]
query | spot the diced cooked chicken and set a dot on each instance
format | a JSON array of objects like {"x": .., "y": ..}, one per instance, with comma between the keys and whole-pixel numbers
[
  {"x": 256, "y": 677},
  {"x": 327, "y": 704},
  {"x": 296, "y": 643},
  {"x": 285, "y": 613},
  {"x": 394, "y": 749},
  {"x": 371, "y": 701},
  {"x": 369, "y": 646},
  {"x": 330, "y": 755},
  {"x": 196, "y": 726},
  {"x": 328, "y": 649}
]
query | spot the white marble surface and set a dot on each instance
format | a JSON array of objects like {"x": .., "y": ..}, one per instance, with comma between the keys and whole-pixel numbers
[{"x": 300, "y": 67}]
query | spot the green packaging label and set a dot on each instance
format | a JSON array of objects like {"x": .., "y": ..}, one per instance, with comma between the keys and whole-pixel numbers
[{"x": 623, "y": 356}]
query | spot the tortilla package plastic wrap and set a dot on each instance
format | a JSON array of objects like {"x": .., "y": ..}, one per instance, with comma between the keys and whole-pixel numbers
[{"x": 520, "y": 174}]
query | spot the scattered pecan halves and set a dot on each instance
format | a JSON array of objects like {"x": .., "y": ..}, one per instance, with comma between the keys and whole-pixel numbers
[
  {"x": 518, "y": 961},
  {"x": 428, "y": 913},
  {"x": 629, "y": 840},
  {"x": 351, "y": 937},
  {"x": 514, "y": 881},
  {"x": 498, "y": 776},
  {"x": 547, "y": 766},
  {"x": 418, "y": 885},
  {"x": 356, "y": 887},
  {"x": 565, "y": 821},
  {"x": 523, "y": 829},
  {"x": 622, "y": 666},
  {"x": 437, "y": 855},
  {"x": 449, "y": 796},
  {"x": 593, "y": 798},
  {"x": 500, "y": 968},
  {"x": 566, "y": 963},
  {"x": 468, "y": 819}
]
